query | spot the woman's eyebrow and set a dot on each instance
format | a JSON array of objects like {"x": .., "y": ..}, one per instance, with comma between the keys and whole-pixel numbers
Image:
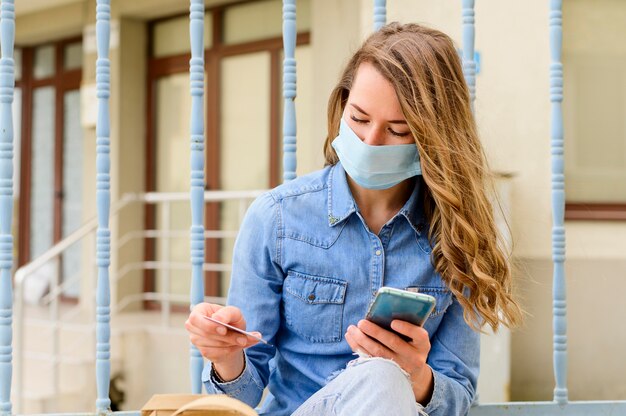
[{"x": 359, "y": 109}]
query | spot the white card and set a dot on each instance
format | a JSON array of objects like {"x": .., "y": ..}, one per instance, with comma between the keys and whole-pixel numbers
[{"x": 241, "y": 331}]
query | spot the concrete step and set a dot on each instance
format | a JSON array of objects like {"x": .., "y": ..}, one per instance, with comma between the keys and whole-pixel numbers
[{"x": 151, "y": 357}]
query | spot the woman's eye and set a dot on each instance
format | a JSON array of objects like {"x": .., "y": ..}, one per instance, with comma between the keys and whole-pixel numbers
[
  {"x": 395, "y": 133},
  {"x": 358, "y": 120}
]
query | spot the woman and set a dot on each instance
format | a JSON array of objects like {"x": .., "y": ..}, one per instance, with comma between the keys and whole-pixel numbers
[{"x": 402, "y": 202}]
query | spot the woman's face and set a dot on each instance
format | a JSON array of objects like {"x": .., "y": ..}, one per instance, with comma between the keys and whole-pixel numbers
[{"x": 373, "y": 110}]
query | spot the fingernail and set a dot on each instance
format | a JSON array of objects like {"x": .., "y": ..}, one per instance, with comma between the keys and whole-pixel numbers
[
  {"x": 242, "y": 341},
  {"x": 221, "y": 330}
]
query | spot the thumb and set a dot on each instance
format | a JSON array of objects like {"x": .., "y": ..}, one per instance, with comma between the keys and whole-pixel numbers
[{"x": 230, "y": 315}]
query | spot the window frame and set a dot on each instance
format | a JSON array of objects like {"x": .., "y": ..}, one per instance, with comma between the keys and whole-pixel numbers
[
  {"x": 580, "y": 211},
  {"x": 63, "y": 81}
]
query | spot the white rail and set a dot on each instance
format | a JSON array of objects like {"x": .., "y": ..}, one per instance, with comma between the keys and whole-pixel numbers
[{"x": 57, "y": 322}]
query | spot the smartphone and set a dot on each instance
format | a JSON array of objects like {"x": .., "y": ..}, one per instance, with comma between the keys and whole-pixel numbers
[{"x": 391, "y": 303}]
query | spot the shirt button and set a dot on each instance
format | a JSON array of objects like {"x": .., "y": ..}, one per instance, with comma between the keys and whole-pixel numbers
[
  {"x": 312, "y": 296},
  {"x": 378, "y": 252}
]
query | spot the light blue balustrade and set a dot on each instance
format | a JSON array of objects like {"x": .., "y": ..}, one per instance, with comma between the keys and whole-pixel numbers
[
  {"x": 558, "y": 206},
  {"x": 7, "y": 83},
  {"x": 469, "y": 65},
  {"x": 196, "y": 72},
  {"x": 103, "y": 200},
  {"x": 289, "y": 90},
  {"x": 380, "y": 13}
]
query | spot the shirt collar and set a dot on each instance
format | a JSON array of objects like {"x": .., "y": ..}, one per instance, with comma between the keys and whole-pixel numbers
[
  {"x": 413, "y": 209},
  {"x": 341, "y": 203}
]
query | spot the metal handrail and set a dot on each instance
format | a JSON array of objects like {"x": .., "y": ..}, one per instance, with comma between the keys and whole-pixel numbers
[
  {"x": 28, "y": 269},
  {"x": 51, "y": 298}
]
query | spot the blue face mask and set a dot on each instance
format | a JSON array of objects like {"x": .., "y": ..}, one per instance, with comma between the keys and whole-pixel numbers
[{"x": 375, "y": 167}]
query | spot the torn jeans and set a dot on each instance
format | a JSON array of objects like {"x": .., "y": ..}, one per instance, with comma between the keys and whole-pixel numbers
[{"x": 368, "y": 386}]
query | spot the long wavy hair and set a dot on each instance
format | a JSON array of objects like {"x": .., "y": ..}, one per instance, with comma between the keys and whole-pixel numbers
[{"x": 424, "y": 68}]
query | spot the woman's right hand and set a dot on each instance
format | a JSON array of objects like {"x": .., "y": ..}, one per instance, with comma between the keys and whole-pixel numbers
[{"x": 223, "y": 347}]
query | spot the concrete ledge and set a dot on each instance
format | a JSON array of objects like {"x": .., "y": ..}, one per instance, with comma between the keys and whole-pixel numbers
[{"x": 551, "y": 408}]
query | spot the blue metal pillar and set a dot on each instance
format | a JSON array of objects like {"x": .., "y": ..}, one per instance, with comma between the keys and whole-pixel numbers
[
  {"x": 469, "y": 65},
  {"x": 103, "y": 200},
  {"x": 380, "y": 14},
  {"x": 196, "y": 73},
  {"x": 289, "y": 90},
  {"x": 558, "y": 206},
  {"x": 7, "y": 84}
]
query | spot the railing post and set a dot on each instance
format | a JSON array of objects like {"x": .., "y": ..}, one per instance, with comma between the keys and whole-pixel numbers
[
  {"x": 7, "y": 83},
  {"x": 469, "y": 65},
  {"x": 165, "y": 271},
  {"x": 55, "y": 328},
  {"x": 19, "y": 349},
  {"x": 558, "y": 206},
  {"x": 289, "y": 90},
  {"x": 380, "y": 14},
  {"x": 196, "y": 72},
  {"x": 103, "y": 200}
]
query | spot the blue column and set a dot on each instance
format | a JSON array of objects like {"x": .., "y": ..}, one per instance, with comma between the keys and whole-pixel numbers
[
  {"x": 469, "y": 65},
  {"x": 7, "y": 83},
  {"x": 196, "y": 73},
  {"x": 558, "y": 206},
  {"x": 380, "y": 14},
  {"x": 289, "y": 90},
  {"x": 103, "y": 200}
]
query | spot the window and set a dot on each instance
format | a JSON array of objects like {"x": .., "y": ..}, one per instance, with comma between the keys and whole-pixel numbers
[
  {"x": 50, "y": 187},
  {"x": 594, "y": 106}
]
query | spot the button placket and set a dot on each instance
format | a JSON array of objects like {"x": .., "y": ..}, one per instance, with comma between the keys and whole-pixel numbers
[{"x": 378, "y": 263}]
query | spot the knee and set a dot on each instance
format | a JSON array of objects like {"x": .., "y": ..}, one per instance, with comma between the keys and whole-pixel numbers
[
  {"x": 374, "y": 386},
  {"x": 384, "y": 374}
]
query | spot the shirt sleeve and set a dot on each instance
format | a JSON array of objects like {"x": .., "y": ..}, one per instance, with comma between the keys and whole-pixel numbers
[
  {"x": 454, "y": 357},
  {"x": 255, "y": 288}
]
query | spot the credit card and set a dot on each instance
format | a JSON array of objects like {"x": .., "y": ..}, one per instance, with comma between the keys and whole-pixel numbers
[{"x": 241, "y": 331}]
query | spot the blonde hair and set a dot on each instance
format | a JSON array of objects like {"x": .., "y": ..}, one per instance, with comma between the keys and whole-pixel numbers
[{"x": 424, "y": 68}]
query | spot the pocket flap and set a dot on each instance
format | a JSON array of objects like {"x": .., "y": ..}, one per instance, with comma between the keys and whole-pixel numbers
[
  {"x": 442, "y": 295},
  {"x": 315, "y": 289}
]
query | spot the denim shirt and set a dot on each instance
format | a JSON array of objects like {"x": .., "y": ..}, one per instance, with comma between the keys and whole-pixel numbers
[{"x": 306, "y": 266}]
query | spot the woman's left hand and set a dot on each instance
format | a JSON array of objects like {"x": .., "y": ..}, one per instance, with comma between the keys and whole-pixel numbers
[{"x": 369, "y": 338}]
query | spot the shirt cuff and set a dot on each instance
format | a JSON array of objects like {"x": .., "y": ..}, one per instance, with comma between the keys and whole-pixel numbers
[{"x": 234, "y": 388}]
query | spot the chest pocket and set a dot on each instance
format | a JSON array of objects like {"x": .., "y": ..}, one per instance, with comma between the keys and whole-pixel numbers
[
  {"x": 314, "y": 306},
  {"x": 443, "y": 298}
]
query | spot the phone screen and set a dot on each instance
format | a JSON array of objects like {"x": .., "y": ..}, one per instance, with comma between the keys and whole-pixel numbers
[{"x": 391, "y": 303}]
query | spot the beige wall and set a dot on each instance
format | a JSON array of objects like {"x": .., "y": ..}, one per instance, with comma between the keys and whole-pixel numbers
[
  {"x": 596, "y": 335},
  {"x": 50, "y": 24},
  {"x": 331, "y": 20}
]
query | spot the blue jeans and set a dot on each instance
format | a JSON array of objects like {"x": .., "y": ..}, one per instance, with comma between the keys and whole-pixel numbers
[{"x": 368, "y": 386}]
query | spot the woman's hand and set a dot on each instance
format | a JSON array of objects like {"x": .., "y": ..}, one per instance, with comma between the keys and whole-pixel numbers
[
  {"x": 371, "y": 339},
  {"x": 215, "y": 342}
]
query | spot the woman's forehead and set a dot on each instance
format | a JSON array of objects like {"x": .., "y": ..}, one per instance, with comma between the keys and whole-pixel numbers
[{"x": 374, "y": 94}]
